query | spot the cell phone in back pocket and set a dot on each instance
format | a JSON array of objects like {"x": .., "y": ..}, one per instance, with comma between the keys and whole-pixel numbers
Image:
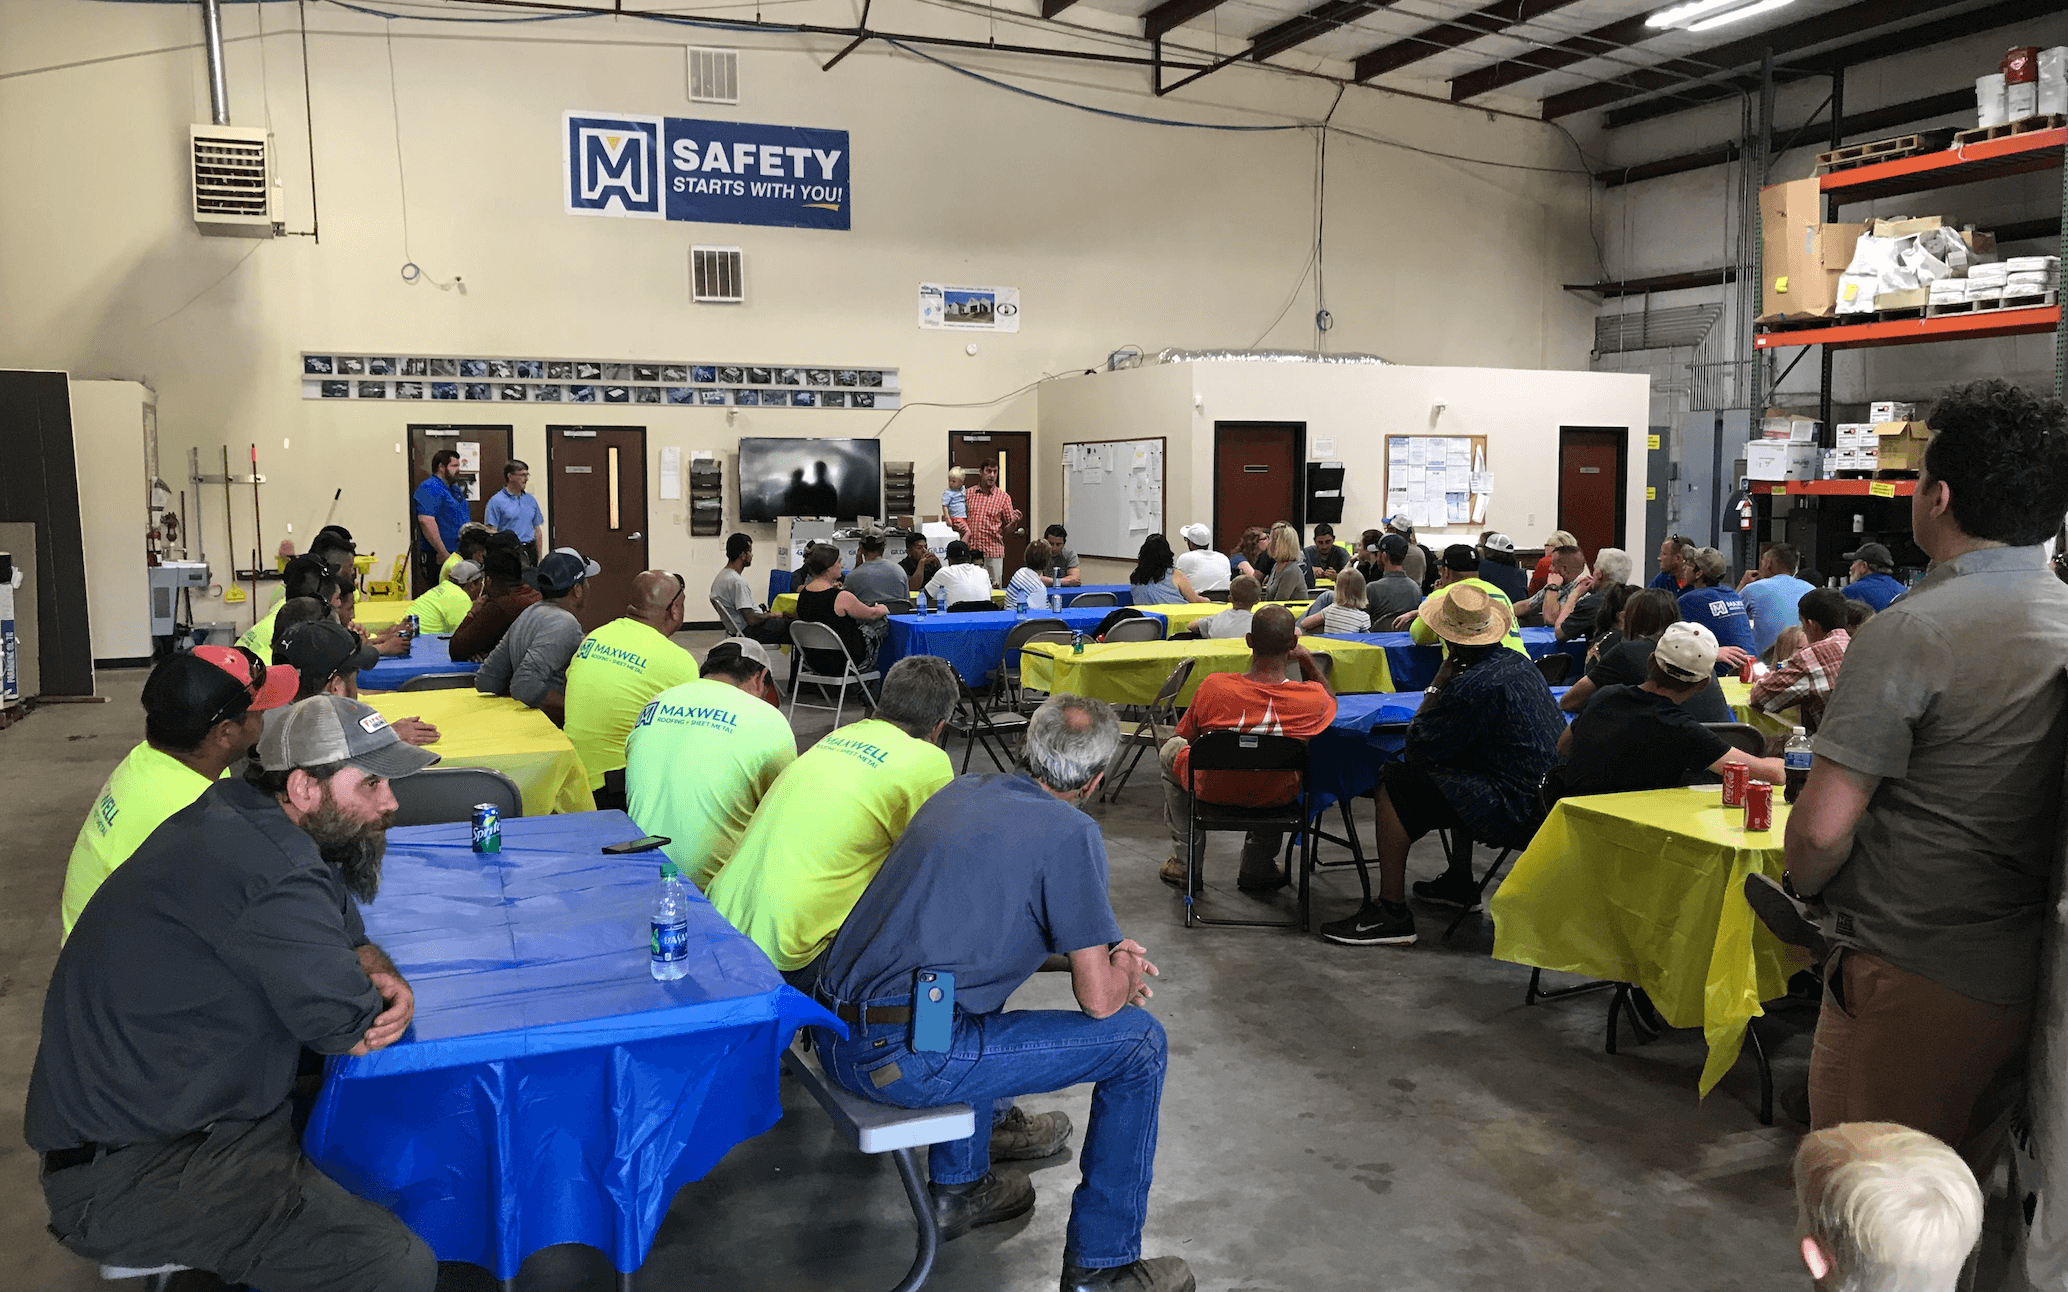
[{"x": 933, "y": 1010}]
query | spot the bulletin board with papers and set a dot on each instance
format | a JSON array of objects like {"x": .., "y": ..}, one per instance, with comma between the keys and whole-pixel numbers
[
  {"x": 1438, "y": 480},
  {"x": 1113, "y": 495}
]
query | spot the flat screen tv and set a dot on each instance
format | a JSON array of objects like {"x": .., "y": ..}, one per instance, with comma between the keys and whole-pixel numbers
[{"x": 842, "y": 479}]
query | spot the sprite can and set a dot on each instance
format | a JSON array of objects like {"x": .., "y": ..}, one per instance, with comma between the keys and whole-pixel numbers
[{"x": 488, "y": 828}]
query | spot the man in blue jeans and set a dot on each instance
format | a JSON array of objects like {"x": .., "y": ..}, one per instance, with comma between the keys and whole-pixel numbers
[{"x": 991, "y": 878}]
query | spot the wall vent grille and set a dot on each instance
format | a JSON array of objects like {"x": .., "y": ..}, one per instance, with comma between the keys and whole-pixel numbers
[
  {"x": 714, "y": 75},
  {"x": 717, "y": 275}
]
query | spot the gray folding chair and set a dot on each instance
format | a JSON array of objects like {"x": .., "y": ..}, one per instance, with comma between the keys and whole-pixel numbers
[
  {"x": 1144, "y": 629},
  {"x": 1322, "y": 660},
  {"x": 439, "y": 682},
  {"x": 443, "y": 794},
  {"x": 808, "y": 637},
  {"x": 1139, "y": 738},
  {"x": 1741, "y": 735},
  {"x": 978, "y": 725},
  {"x": 1094, "y": 599},
  {"x": 896, "y": 606},
  {"x": 1005, "y": 680},
  {"x": 729, "y": 618}
]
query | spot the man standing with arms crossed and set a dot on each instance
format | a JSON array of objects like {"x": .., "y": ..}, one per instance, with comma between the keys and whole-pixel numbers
[
  {"x": 518, "y": 512},
  {"x": 1928, "y": 827},
  {"x": 991, "y": 517},
  {"x": 440, "y": 510}
]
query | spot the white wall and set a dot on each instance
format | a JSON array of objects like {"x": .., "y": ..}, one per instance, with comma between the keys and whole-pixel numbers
[
  {"x": 1116, "y": 233},
  {"x": 1518, "y": 411}
]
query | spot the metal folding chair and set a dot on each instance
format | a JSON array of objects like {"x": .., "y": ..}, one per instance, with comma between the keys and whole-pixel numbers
[
  {"x": 729, "y": 618},
  {"x": 1250, "y": 752},
  {"x": 1148, "y": 735},
  {"x": 1742, "y": 736},
  {"x": 978, "y": 725},
  {"x": 1554, "y": 667},
  {"x": 1088, "y": 599},
  {"x": 809, "y": 637},
  {"x": 444, "y": 794},
  {"x": 1005, "y": 679},
  {"x": 1144, "y": 629}
]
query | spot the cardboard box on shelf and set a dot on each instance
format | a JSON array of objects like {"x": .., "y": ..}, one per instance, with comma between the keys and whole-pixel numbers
[
  {"x": 1792, "y": 427},
  {"x": 1889, "y": 410},
  {"x": 1781, "y": 460},
  {"x": 1906, "y": 299},
  {"x": 1902, "y": 445},
  {"x": 1907, "y": 225},
  {"x": 1802, "y": 256}
]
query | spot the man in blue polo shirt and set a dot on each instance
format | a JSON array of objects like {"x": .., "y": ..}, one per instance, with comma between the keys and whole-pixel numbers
[
  {"x": 1872, "y": 581},
  {"x": 518, "y": 512},
  {"x": 440, "y": 510},
  {"x": 1718, "y": 608},
  {"x": 1771, "y": 593}
]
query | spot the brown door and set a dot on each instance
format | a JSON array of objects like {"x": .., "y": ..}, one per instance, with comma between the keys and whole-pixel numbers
[
  {"x": 596, "y": 501},
  {"x": 1013, "y": 451},
  {"x": 1591, "y": 497},
  {"x": 1256, "y": 478},
  {"x": 490, "y": 447}
]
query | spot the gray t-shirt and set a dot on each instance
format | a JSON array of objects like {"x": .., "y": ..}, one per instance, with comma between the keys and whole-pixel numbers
[
  {"x": 1957, "y": 698},
  {"x": 989, "y": 915},
  {"x": 876, "y": 582},
  {"x": 1391, "y": 597},
  {"x": 1232, "y": 622},
  {"x": 1067, "y": 558},
  {"x": 194, "y": 978},
  {"x": 731, "y": 588},
  {"x": 532, "y": 658}
]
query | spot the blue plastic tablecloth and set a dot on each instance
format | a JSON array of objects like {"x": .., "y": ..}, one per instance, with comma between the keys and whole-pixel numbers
[
  {"x": 778, "y": 584},
  {"x": 1413, "y": 667},
  {"x": 973, "y": 642},
  {"x": 549, "y": 1090},
  {"x": 1369, "y": 731},
  {"x": 427, "y": 655},
  {"x": 1123, "y": 594}
]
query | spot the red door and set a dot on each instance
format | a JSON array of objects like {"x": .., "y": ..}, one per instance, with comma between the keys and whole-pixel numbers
[
  {"x": 1591, "y": 497},
  {"x": 1256, "y": 481}
]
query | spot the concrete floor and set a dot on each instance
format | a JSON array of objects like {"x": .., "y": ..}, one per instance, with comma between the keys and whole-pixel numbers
[{"x": 1334, "y": 1117}]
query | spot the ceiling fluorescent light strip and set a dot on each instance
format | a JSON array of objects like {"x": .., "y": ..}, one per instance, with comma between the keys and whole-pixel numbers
[
  {"x": 1763, "y": 6},
  {"x": 1681, "y": 14}
]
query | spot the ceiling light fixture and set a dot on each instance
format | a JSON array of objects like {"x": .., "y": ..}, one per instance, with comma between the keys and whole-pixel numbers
[{"x": 1701, "y": 15}]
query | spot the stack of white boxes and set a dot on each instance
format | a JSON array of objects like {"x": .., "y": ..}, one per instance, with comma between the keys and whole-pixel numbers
[
  {"x": 2029, "y": 280},
  {"x": 1857, "y": 452},
  {"x": 1786, "y": 449}
]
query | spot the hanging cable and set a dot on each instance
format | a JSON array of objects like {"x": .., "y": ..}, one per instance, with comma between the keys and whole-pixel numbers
[{"x": 411, "y": 271}]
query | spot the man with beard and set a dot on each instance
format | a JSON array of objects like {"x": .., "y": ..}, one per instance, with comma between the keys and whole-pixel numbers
[{"x": 179, "y": 1007}]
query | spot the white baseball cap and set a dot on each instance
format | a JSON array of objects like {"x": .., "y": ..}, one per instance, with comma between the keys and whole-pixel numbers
[
  {"x": 1498, "y": 543},
  {"x": 748, "y": 647},
  {"x": 1197, "y": 534},
  {"x": 1686, "y": 651}
]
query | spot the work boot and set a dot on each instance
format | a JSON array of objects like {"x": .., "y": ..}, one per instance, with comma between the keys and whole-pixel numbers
[
  {"x": 1787, "y": 918},
  {"x": 1260, "y": 873},
  {"x": 1020, "y": 1136},
  {"x": 1157, "y": 1274},
  {"x": 1172, "y": 872},
  {"x": 1001, "y": 1195}
]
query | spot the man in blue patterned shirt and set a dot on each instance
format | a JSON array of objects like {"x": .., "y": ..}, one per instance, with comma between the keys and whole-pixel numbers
[{"x": 1476, "y": 753}]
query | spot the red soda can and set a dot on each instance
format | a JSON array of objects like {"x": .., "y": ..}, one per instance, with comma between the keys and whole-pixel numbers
[
  {"x": 1759, "y": 805},
  {"x": 1745, "y": 672},
  {"x": 1734, "y": 777}
]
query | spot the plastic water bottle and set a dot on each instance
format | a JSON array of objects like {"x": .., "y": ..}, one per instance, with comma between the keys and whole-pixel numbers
[
  {"x": 1019, "y": 604},
  {"x": 1797, "y": 757},
  {"x": 670, "y": 946}
]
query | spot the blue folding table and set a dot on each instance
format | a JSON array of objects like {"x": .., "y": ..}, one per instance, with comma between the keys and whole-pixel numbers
[
  {"x": 1414, "y": 666},
  {"x": 550, "y": 1090},
  {"x": 973, "y": 641}
]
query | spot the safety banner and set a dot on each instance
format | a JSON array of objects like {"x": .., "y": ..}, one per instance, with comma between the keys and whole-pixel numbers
[{"x": 707, "y": 172}]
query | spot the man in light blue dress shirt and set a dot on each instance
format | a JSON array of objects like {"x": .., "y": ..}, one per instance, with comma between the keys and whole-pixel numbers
[{"x": 517, "y": 511}]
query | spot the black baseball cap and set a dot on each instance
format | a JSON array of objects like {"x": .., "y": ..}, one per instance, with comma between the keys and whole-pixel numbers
[
  {"x": 1875, "y": 555},
  {"x": 319, "y": 650},
  {"x": 562, "y": 569},
  {"x": 215, "y": 684},
  {"x": 957, "y": 549},
  {"x": 1461, "y": 557},
  {"x": 1394, "y": 546}
]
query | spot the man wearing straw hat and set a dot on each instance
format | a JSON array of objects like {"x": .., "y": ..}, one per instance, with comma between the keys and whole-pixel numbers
[{"x": 1487, "y": 732}]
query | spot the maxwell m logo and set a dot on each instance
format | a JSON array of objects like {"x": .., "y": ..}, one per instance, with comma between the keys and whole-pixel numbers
[{"x": 612, "y": 165}]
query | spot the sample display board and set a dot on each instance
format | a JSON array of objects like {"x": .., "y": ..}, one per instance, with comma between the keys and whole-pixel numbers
[
  {"x": 1113, "y": 495},
  {"x": 1437, "y": 480}
]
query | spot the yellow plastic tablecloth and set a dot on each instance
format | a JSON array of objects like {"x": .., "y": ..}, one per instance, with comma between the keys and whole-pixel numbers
[
  {"x": 1186, "y": 613},
  {"x": 1649, "y": 889},
  {"x": 1738, "y": 695},
  {"x": 786, "y": 602},
  {"x": 379, "y": 614},
  {"x": 1131, "y": 672},
  {"x": 496, "y": 732}
]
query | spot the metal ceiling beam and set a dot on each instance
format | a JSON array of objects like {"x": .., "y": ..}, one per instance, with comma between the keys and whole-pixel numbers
[
  {"x": 1872, "y": 121},
  {"x": 1304, "y": 27},
  {"x": 1662, "y": 283},
  {"x": 1618, "y": 36},
  {"x": 1460, "y": 30},
  {"x": 2004, "y": 13},
  {"x": 1050, "y": 8},
  {"x": 1835, "y": 25},
  {"x": 1172, "y": 14}
]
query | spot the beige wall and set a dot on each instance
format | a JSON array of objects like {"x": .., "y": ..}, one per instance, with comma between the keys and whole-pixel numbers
[
  {"x": 108, "y": 436},
  {"x": 1520, "y": 413},
  {"x": 1116, "y": 233}
]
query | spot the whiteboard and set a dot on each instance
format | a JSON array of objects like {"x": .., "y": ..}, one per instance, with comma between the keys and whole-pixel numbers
[{"x": 1113, "y": 495}]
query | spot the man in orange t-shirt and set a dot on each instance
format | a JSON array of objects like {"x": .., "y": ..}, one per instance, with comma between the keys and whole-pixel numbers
[{"x": 1262, "y": 700}]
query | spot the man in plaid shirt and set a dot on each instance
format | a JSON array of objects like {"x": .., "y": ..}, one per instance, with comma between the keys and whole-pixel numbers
[
  {"x": 1805, "y": 681},
  {"x": 991, "y": 514}
]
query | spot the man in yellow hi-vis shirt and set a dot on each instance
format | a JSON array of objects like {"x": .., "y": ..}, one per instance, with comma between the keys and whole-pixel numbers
[
  {"x": 201, "y": 712},
  {"x": 617, "y": 671}
]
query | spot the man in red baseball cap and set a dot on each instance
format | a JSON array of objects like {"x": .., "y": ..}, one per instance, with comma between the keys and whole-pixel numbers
[{"x": 201, "y": 712}]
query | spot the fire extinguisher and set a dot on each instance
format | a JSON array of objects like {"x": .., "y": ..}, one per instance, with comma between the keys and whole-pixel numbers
[{"x": 1745, "y": 513}]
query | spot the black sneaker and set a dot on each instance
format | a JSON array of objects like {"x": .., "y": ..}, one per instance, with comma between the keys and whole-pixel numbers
[
  {"x": 1157, "y": 1274},
  {"x": 1001, "y": 1195},
  {"x": 1373, "y": 926},
  {"x": 1457, "y": 894},
  {"x": 1020, "y": 1136},
  {"x": 1787, "y": 918}
]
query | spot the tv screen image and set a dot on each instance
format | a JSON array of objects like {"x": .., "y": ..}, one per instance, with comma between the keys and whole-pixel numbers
[{"x": 784, "y": 477}]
